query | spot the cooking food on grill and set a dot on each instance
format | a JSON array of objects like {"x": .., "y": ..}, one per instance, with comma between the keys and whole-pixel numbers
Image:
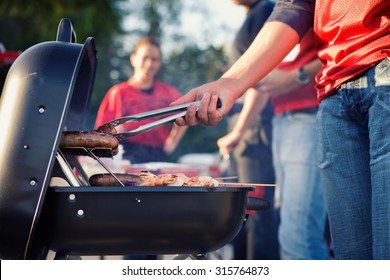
[
  {"x": 201, "y": 181},
  {"x": 107, "y": 128},
  {"x": 88, "y": 139},
  {"x": 146, "y": 178},
  {"x": 179, "y": 179},
  {"x": 109, "y": 180},
  {"x": 150, "y": 179}
]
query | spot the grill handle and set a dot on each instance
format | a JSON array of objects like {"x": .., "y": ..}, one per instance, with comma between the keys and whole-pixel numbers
[
  {"x": 257, "y": 204},
  {"x": 65, "y": 32}
]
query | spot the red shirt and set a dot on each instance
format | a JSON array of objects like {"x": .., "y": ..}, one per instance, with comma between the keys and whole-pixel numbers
[
  {"x": 124, "y": 100},
  {"x": 355, "y": 35},
  {"x": 302, "y": 97}
]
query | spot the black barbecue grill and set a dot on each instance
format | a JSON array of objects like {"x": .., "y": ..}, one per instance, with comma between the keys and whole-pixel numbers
[{"x": 46, "y": 92}]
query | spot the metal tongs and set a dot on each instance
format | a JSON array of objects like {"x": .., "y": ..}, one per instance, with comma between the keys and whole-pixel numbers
[{"x": 182, "y": 109}]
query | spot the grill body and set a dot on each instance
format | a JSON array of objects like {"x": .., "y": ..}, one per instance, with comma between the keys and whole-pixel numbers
[
  {"x": 47, "y": 91},
  {"x": 139, "y": 220},
  {"x": 39, "y": 89}
]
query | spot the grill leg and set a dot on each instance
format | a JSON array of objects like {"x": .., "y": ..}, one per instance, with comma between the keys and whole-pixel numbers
[
  {"x": 190, "y": 256},
  {"x": 60, "y": 256},
  {"x": 198, "y": 257}
]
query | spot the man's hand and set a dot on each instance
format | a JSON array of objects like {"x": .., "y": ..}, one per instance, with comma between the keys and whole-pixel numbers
[
  {"x": 208, "y": 113},
  {"x": 227, "y": 143}
]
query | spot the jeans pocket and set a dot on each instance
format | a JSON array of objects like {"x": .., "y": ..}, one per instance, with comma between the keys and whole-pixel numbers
[{"x": 382, "y": 73}]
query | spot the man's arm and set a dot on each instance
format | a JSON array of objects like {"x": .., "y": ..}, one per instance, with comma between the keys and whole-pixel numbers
[
  {"x": 254, "y": 103},
  {"x": 274, "y": 84},
  {"x": 298, "y": 14},
  {"x": 287, "y": 24},
  {"x": 279, "y": 82},
  {"x": 174, "y": 138},
  {"x": 271, "y": 45}
]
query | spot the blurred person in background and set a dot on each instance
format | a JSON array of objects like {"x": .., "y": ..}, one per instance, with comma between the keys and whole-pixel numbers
[
  {"x": 248, "y": 145},
  {"x": 294, "y": 143},
  {"x": 140, "y": 93}
]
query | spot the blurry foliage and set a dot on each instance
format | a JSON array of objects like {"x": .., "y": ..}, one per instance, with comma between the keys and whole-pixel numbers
[
  {"x": 24, "y": 23},
  {"x": 27, "y": 22},
  {"x": 156, "y": 13},
  {"x": 178, "y": 68},
  {"x": 189, "y": 68}
]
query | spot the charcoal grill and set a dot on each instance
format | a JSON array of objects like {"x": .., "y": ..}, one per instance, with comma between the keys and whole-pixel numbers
[{"x": 47, "y": 91}]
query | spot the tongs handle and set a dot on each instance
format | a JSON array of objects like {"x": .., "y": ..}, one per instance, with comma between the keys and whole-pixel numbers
[
  {"x": 149, "y": 126},
  {"x": 158, "y": 123},
  {"x": 152, "y": 114}
]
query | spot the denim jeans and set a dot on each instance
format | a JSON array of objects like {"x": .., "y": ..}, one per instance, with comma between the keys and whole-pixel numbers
[
  {"x": 253, "y": 158},
  {"x": 302, "y": 204},
  {"x": 354, "y": 158}
]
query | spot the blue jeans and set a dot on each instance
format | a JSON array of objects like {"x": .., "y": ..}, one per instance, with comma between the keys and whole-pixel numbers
[
  {"x": 302, "y": 205},
  {"x": 354, "y": 157},
  {"x": 253, "y": 158}
]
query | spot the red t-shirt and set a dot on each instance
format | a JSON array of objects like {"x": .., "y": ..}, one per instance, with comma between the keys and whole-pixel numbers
[
  {"x": 124, "y": 100},
  {"x": 355, "y": 35},
  {"x": 302, "y": 97}
]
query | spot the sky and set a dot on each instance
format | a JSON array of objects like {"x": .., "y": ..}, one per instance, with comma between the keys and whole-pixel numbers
[
  {"x": 217, "y": 25},
  {"x": 204, "y": 22}
]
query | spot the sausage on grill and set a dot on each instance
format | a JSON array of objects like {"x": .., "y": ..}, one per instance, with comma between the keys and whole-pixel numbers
[
  {"x": 107, "y": 128},
  {"x": 108, "y": 180},
  {"x": 88, "y": 139}
]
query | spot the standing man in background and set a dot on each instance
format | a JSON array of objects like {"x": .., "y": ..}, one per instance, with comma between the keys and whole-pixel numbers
[
  {"x": 248, "y": 146},
  {"x": 294, "y": 144},
  {"x": 294, "y": 148},
  {"x": 140, "y": 93}
]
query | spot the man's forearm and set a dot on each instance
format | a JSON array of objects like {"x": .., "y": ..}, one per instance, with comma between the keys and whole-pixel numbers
[
  {"x": 253, "y": 104},
  {"x": 268, "y": 49}
]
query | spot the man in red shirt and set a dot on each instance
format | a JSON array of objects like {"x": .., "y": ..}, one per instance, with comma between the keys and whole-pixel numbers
[
  {"x": 141, "y": 93},
  {"x": 353, "y": 119}
]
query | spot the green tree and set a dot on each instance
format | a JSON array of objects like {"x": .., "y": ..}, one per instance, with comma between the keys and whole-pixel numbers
[
  {"x": 28, "y": 22},
  {"x": 24, "y": 23},
  {"x": 189, "y": 68}
]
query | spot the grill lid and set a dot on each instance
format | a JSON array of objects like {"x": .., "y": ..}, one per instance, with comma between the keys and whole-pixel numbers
[{"x": 47, "y": 90}]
